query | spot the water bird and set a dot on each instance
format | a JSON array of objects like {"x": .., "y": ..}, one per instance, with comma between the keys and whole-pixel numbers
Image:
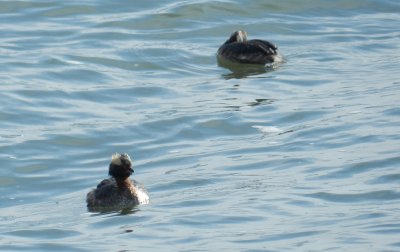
[
  {"x": 118, "y": 191},
  {"x": 240, "y": 50}
]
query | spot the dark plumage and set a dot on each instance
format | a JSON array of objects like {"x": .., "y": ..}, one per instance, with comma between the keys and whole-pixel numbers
[
  {"x": 240, "y": 50},
  {"x": 118, "y": 191}
]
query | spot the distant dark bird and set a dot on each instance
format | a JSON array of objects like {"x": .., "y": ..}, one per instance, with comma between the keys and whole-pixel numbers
[
  {"x": 240, "y": 50},
  {"x": 118, "y": 191}
]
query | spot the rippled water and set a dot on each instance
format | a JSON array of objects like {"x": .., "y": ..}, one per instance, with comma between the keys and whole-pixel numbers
[{"x": 302, "y": 157}]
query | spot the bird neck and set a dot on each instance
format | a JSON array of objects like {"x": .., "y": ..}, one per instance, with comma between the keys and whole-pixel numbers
[{"x": 123, "y": 182}]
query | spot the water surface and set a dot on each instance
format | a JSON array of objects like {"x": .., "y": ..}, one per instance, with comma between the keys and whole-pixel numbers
[{"x": 301, "y": 157}]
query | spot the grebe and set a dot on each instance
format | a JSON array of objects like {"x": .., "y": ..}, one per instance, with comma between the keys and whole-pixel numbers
[
  {"x": 118, "y": 191},
  {"x": 240, "y": 50}
]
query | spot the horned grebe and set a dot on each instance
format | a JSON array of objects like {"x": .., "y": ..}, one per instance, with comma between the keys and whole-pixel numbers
[
  {"x": 118, "y": 191},
  {"x": 240, "y": 50}
]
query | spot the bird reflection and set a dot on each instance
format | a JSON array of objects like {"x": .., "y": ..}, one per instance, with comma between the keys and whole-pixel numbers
[
  {"x": 115, "y": 211},
  {"x": 239, "y": 71},
  {"x": 258, "y": 102}
]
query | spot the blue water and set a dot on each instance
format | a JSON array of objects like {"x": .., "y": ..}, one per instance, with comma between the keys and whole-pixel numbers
[{"x": 303, "y": 157}]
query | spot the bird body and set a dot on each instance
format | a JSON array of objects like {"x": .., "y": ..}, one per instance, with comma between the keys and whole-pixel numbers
[
  {"x": 240, "y": 50},
  {"x": 118, "y": 191}
]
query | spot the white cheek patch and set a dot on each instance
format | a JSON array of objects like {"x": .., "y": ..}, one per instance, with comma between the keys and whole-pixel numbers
[
  {"x": 127, "y": 157},
  {"x": 116, "y": 159},
  {"x": 242, "y": 36}
]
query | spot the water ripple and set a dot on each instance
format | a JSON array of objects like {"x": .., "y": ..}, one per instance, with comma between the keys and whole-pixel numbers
[{"x": 383, "y": 195}]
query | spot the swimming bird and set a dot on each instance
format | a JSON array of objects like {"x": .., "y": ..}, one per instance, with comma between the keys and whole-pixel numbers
[
  {"x": 240, "y": 50},
  {"x": 118, "y": 191}
]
